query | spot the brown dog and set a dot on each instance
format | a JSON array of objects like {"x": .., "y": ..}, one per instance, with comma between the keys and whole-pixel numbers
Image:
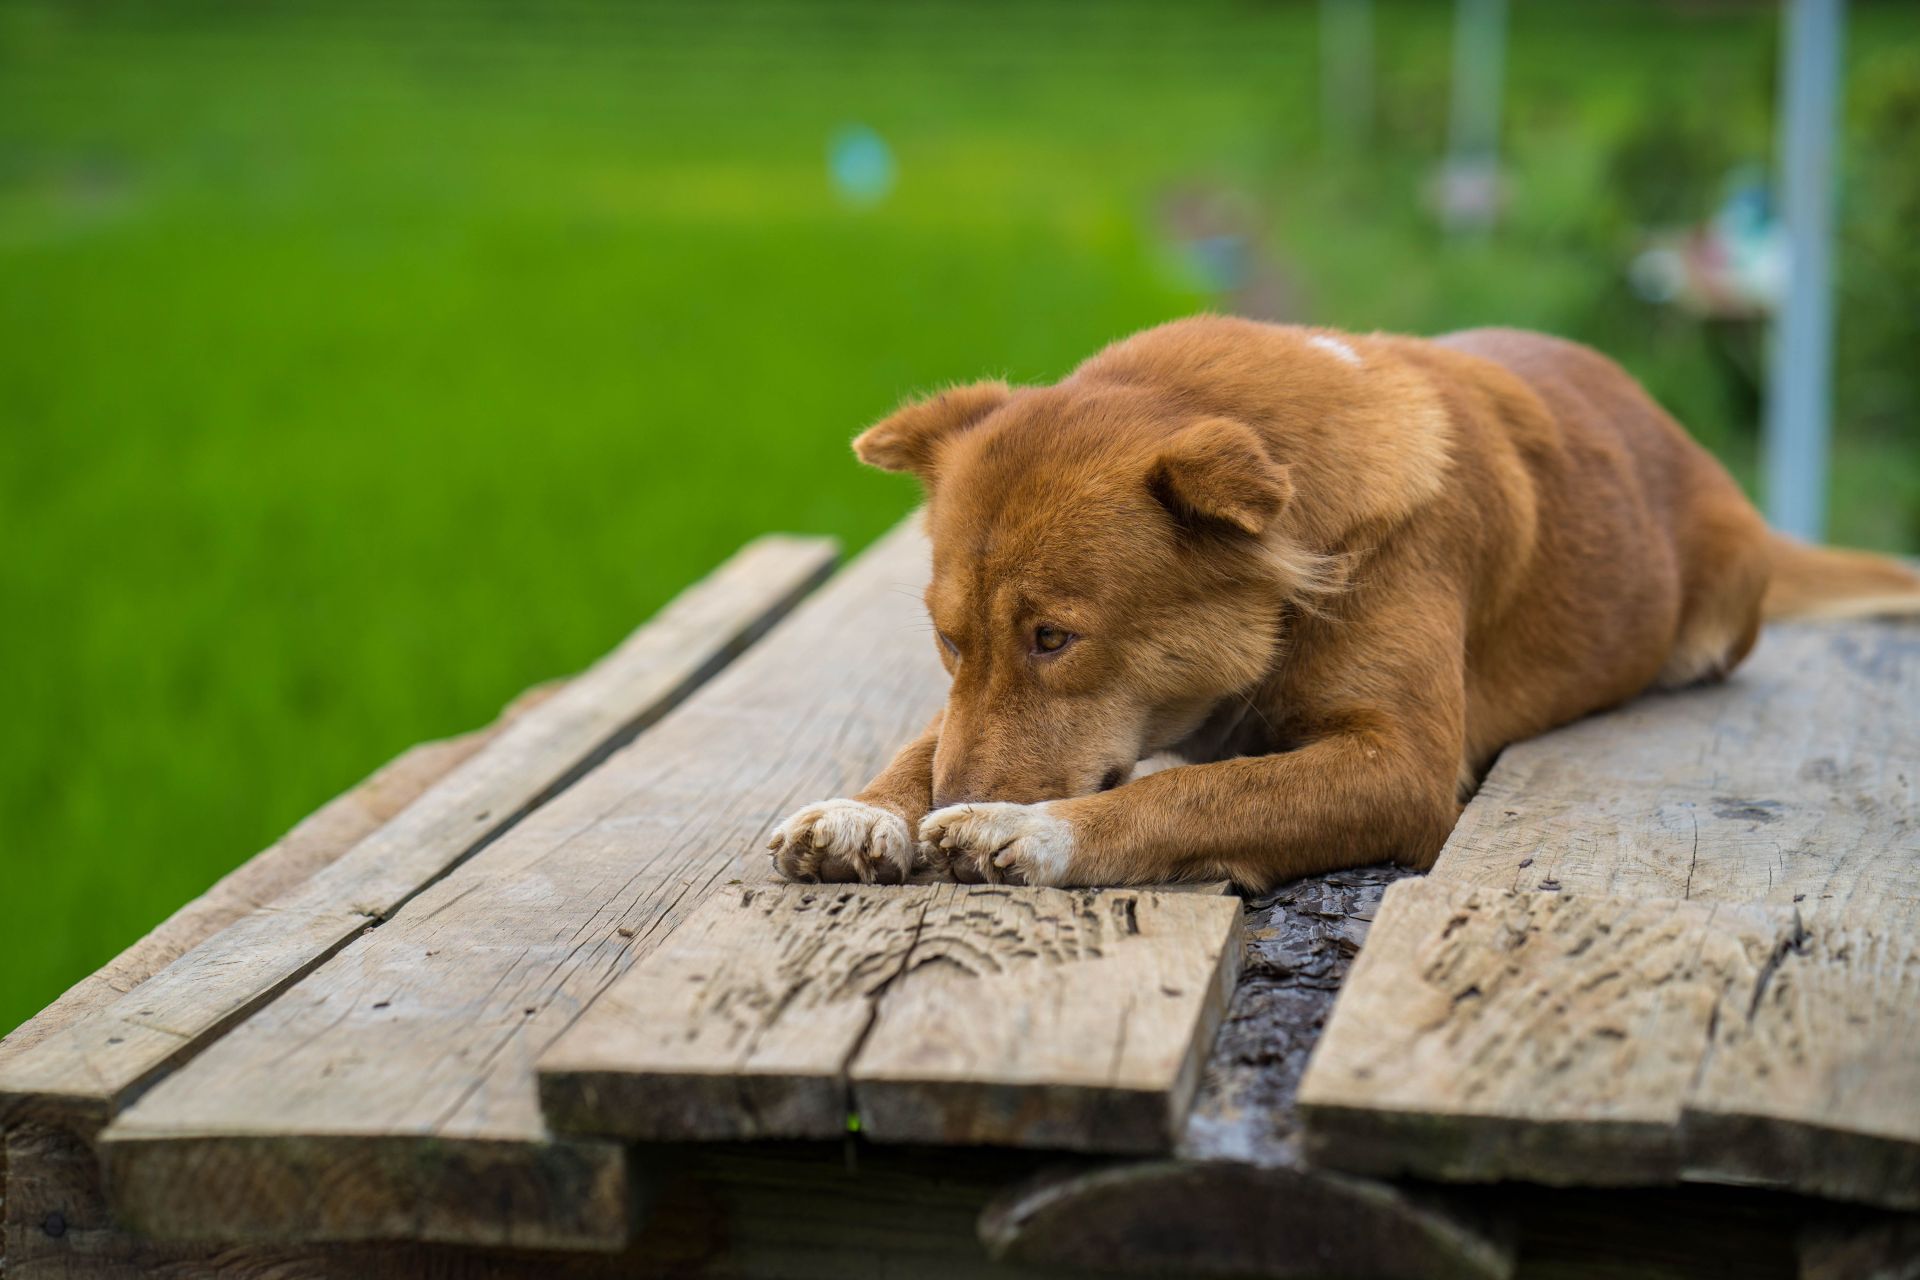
[{"x": 1342, "y": 571}]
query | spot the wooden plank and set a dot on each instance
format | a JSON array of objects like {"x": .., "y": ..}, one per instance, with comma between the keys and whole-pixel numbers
[
  {"x": 1798, "y": 780},
  {"x": 1766, "y": 831},
  {"x": 1563, "y": 1038},
  {"x": 53, "y": 1217},
  {"x": 83, "y": 1072},
  {"x": 742, "y": 1025},
  {"x": 1549, "y": 1037},
  {"x": 421, "y": 1037},
  {"x": 1073, "y": 1020},
  {"x": 315, "y": 842},
  {"x": 1817, "y": 1088},
  {"x": 938, "y": 1013}
]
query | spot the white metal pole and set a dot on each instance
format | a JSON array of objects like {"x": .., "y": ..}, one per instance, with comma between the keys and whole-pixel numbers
[{"x": 1799, "y": 392}]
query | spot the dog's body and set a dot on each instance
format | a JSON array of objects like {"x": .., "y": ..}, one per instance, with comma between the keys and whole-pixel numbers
[{"x": 1339, "y": 573}]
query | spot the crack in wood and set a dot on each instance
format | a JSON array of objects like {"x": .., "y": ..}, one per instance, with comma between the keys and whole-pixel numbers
[{"x": 939, "y": 1013}]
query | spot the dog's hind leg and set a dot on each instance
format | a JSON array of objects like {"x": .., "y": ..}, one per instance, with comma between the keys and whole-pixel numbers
[{"x": 1724, "y": 574}]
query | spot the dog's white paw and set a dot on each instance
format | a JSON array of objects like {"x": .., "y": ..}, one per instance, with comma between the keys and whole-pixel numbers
[
  {"x": 1001, "y": 843},
  {"x": 843, "y": 840}
]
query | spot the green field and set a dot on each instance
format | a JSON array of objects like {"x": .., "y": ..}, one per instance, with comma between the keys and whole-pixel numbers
[{"x": 361, "y": 365}]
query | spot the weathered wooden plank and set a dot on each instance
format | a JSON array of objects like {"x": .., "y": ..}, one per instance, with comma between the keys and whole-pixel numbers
[
  {"x": 1048, "y": 1019},
  {"x": 1798, "y": 780},
  {"x": 1550, "y": 1037},
  {"x": 1817, "y": 1087},
  {"x": 1571, "y": 1039},
  {"x": 315, "y": 842},
  {"x": 83, "y": 1072},
  {"x": 742, "y": 1024},
  {"x": 53, "y": 1218},
  {"x": 1785, "y": 804},
  {"x": 937, "y": 1013},
  {"x": 421, "y": 1037}
]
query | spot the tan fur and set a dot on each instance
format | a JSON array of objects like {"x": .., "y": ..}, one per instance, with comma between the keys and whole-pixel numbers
[
  {"x": 1828, "y": 582},
  {"x": 1336, "y": 572}
]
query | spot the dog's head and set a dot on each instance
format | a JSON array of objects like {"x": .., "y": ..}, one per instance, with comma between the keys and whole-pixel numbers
[{"x": 1107, "y": 571}]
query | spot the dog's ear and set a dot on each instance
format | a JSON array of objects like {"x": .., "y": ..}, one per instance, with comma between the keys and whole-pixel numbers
[
  {"x": 1216, "y": 471},
  {"x": 908, "y": 439}
]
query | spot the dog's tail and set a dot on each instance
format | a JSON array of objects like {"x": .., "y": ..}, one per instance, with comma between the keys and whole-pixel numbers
[{"x": 1828, "y": 582}]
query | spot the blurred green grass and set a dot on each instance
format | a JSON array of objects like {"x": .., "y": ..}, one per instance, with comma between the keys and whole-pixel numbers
[{"x": 362, "y": 365}]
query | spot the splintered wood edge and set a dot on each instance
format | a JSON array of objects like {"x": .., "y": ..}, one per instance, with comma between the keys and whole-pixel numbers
[{"x": 1187, "y": 1218}]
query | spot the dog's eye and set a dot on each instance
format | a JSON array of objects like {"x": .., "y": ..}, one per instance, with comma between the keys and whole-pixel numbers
[
  {"x": 1050, "y": 639},
  {"x": 948, "y": 644}
]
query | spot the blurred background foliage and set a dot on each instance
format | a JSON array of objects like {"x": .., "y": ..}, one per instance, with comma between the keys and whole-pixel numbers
[{"x": 362, "y": 364}]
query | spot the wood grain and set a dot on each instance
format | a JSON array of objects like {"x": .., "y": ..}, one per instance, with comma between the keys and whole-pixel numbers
[
  {"x": 1745, "y": 860},
  {"x": 83, "y": 1072},
  {"x": 1817, "y": 1087},
  {"x": 1570, "y": 1039},
  {"x": 1551, "y": 1037},
  {"x": 1075, "y": 1020},
  {"x": 742, "y": 1024},
  {"x": 938, "y": 1013},
  {"x": 421, "y": 1037},
  {"x": 1797, "y": 781}
]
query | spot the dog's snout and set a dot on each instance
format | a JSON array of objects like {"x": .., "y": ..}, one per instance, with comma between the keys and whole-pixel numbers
[
  {"x": 1113, "y": 778},
  {"x": 959, "y": 795}
]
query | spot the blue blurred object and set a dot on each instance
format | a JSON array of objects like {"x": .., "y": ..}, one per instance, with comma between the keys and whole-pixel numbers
[
  {"x": 1731, "y": 266},
  {"x": 861, "y": 165}
]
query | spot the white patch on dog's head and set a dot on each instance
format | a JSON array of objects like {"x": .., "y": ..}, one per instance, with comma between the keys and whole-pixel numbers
[{"x": 1336, "y": 347}]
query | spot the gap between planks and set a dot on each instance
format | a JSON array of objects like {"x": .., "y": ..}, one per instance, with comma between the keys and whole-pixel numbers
[{"x": 938, "y": 1014}]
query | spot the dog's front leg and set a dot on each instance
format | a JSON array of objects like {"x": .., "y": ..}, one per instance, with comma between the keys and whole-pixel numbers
[
  {"x": 868, "y": 837},
  {"x": 1342, "y": 801}
]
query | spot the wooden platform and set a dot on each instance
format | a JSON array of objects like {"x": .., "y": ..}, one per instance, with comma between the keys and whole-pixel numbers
[{"x": 335, "y": 1063}]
